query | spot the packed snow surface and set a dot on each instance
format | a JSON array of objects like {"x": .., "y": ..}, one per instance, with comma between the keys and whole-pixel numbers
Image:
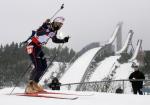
[{"x": 93, "y": 99}]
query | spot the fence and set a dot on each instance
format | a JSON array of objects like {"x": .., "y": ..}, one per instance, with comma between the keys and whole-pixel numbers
[{"x": 107, "y": 86}]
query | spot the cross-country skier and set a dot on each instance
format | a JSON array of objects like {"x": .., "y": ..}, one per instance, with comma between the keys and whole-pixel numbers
[{"x": 40, "y": 37}]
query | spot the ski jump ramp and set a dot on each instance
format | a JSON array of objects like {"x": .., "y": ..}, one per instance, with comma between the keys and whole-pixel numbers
[
  {"x": 107, "y": 65},
  {"x": 115, "y": 33},
  {"x": 139, "y": 44},
  {"x": 126, "y": 44}
]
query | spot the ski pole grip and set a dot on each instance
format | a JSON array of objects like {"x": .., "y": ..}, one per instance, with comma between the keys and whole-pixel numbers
[{"x": 62, "y": 6}]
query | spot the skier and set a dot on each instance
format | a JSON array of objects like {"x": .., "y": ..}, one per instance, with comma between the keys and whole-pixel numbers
[
  {"x": 39, "y": 38},
  {"x": 137, "y": 85}
]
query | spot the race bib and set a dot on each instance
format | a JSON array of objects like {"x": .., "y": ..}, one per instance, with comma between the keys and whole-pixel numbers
[{"x": 29, "y": 49}]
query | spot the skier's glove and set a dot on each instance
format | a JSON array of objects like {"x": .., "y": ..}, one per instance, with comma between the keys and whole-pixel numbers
[{"x": 66, "y": 39}]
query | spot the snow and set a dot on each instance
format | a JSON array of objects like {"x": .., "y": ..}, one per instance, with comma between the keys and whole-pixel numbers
[
  {"x": 104, "y": 68},
  {"x": 76, "y": 71},
  {"x": 123, "y": 71},
  {"x": 96, "y": 99}
]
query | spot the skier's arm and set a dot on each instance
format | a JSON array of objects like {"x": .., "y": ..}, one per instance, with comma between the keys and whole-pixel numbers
[{"x": 56, "y": 40}]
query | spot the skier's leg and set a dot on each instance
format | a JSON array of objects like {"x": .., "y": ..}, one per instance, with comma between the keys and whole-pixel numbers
[
  {"x": 41, "y": 67},
  {"x": 34, "y": 59},
  {"x": 36, "y": 76},
  {"x": 33, "y": 86}
]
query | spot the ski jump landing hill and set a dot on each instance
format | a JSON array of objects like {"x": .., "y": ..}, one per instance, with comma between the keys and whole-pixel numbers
[{"x": 78, "y": 68}]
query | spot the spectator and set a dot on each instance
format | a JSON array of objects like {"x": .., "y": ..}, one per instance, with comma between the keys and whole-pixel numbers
[
  {"x": 135, "y": 77},
  {"x": 55, "y": 84},
  {"x": 119, "y": 90}
]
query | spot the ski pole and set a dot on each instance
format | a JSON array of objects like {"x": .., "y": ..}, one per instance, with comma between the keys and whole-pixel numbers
[
  {"x": 20, "y": 78},
  {"x": 62, "y": 6},
  {"x": 56, "y": 55},
  {"x": 33, "y": 33}
]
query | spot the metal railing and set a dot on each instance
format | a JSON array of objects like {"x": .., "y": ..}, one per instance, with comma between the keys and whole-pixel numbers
[{"x": 109, "y": 86}]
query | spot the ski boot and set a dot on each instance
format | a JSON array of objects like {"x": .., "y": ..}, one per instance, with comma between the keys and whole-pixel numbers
[{"x": 33, "y": 87}]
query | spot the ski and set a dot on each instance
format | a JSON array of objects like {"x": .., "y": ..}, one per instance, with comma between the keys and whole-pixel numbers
[
  {"x": 46, "y": 96},
  {"x": 62, "y": 93}
]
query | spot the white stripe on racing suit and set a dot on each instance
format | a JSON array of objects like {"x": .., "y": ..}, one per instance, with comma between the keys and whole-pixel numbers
[{"x": 44, "y": 38}]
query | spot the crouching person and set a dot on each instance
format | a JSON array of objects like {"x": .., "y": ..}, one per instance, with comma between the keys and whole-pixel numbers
[{"x": 55, "y": 84}]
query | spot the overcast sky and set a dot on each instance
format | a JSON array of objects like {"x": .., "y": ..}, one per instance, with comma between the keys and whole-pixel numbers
[{"x": 86, "y": 20}]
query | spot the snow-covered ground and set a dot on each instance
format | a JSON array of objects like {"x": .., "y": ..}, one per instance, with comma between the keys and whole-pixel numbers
[{"x": 93, "y": 99}]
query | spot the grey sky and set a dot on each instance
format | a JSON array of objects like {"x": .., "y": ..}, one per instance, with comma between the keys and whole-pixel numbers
[{"x": 86, "y": 20}]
